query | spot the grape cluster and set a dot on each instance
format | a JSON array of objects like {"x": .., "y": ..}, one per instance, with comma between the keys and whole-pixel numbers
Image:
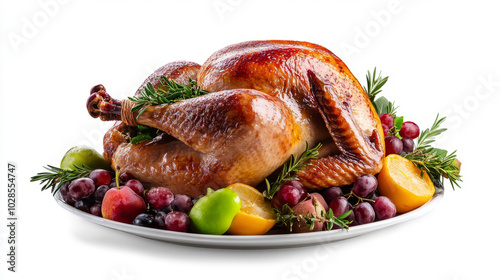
[
  {"x": 166, "y": 210},
  {"x": 362, "y": 198},
  {"x": 407, "y": 133}
]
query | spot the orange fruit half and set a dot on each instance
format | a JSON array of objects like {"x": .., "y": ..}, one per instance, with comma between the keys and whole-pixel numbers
[
  {"x": 255, "y": 216},
  {"x": 402, "y": 182}
]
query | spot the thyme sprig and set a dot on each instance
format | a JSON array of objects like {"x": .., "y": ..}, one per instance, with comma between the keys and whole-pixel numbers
[
  {"x": 168, "y": 92},
  {"x": 436, "y": 162},
  {"x": 57, "y": 177},
  {"x": 289, "y": 169},
  {"x": 288, "y": 218}
]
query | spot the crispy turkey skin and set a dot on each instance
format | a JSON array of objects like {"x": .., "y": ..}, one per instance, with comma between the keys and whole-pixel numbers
[{"x": 266, "y": 100}]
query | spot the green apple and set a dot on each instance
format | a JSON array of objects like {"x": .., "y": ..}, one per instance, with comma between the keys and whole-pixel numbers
[{"x": 213, "y": 213}]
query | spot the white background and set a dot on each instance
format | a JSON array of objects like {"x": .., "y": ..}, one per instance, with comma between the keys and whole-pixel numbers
[{"x": 441, "y": 56}]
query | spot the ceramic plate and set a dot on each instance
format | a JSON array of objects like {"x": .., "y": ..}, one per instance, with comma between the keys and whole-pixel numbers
[{"x": 254, "y": 242}]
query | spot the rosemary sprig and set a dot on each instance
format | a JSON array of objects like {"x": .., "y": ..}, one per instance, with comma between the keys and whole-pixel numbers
[
  {"x": 374, "y": 84},
  {"x": 438, "y": 167},
  {"x": 436, "y": 162},
  {"x": 167, "y": 93},
  {"x": 57, "y": 177},
  {"x": 288, "y": 170},
  {"x": 427, "y": 137},
  {"x": 287, "y": 217},
  {"x": 145, "y": 133}
]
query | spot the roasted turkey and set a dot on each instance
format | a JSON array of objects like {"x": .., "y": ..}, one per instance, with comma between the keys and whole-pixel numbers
[{"x": 266, "y": 100}]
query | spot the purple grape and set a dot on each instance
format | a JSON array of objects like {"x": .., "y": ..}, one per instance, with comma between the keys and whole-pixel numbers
[
  {"x": 177, "y": 221},
  {"x": 136, "y": 186},
  {"x": 331, "y": 193},
  {"x": 70, "y": 200},
  {"x": 159, "y": 220},
  {"x": 64, "y": 190},
  {"x": 290, "y": 193},
  {"x": 365, "y": 185},
  {"x": 197, "y": 198},
  {"x": 96, "y": 210},
  {"x": 408, "y": 145},
  {"x": 159, "y": 197},
  {"x": 80, "y": 205},
  {"x": 339, "y": 206},
  {"x": 409, "y": 130},
  {"x": 144, "y": 220},
  {"x": 125, "y": 177},
  {"x": 81, "y": 188},
  {"x": 393, "y": 145},
  {"x": 100, "y": 177},
  {"x": 364, "y": 213},
  {"x": 384, "y": 208},
  {"x": 100, "y": 192},
  {"x": 182, "y": 203}
]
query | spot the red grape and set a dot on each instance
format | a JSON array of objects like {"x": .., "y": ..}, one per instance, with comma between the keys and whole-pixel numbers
[
  {"x": 331, "y": 193},
  {"x": 136, "y": 186},
  {"x": 387, "y": 119},
  {"x": 393, "y": 145},
  {"x": 289, "y": 194},
  {"x": 384, "y": 208},
  {"x": 124, "y": 177},
  {"x": 182, "y": 203},
  {"x": 339, "y": 206},
  {"x": 364, "y": 213},
  {"x": 177, "y": 221},
  {"x": 96, "y": 210},
  {"x": 159, "y": 198},
  {"x": 365, "y": 185},
  {"x": 409, "y": 130},
  {"x": 408, "y": 145},
  {"x": 100, "y": 177},
  {"x": 386, "y": 129},
  {"x": 81, "y": 188}
]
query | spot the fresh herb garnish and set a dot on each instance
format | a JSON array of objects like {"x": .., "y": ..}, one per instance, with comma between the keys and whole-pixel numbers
[
  {"x": 374, "y": 84},
  {"x": 436, "y": 162},
  {"x": 167, "y": 93},
  {"x": 287, "y": 217},
  {"x": 288, "y": 170},
  {"x": 145, "y": 133},
  {"x": 373, "y": 87},
  {"x": 57, "y": 177}
]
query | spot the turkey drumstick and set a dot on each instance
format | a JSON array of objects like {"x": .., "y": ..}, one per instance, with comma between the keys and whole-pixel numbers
[{"x": 210, "y": 132}]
